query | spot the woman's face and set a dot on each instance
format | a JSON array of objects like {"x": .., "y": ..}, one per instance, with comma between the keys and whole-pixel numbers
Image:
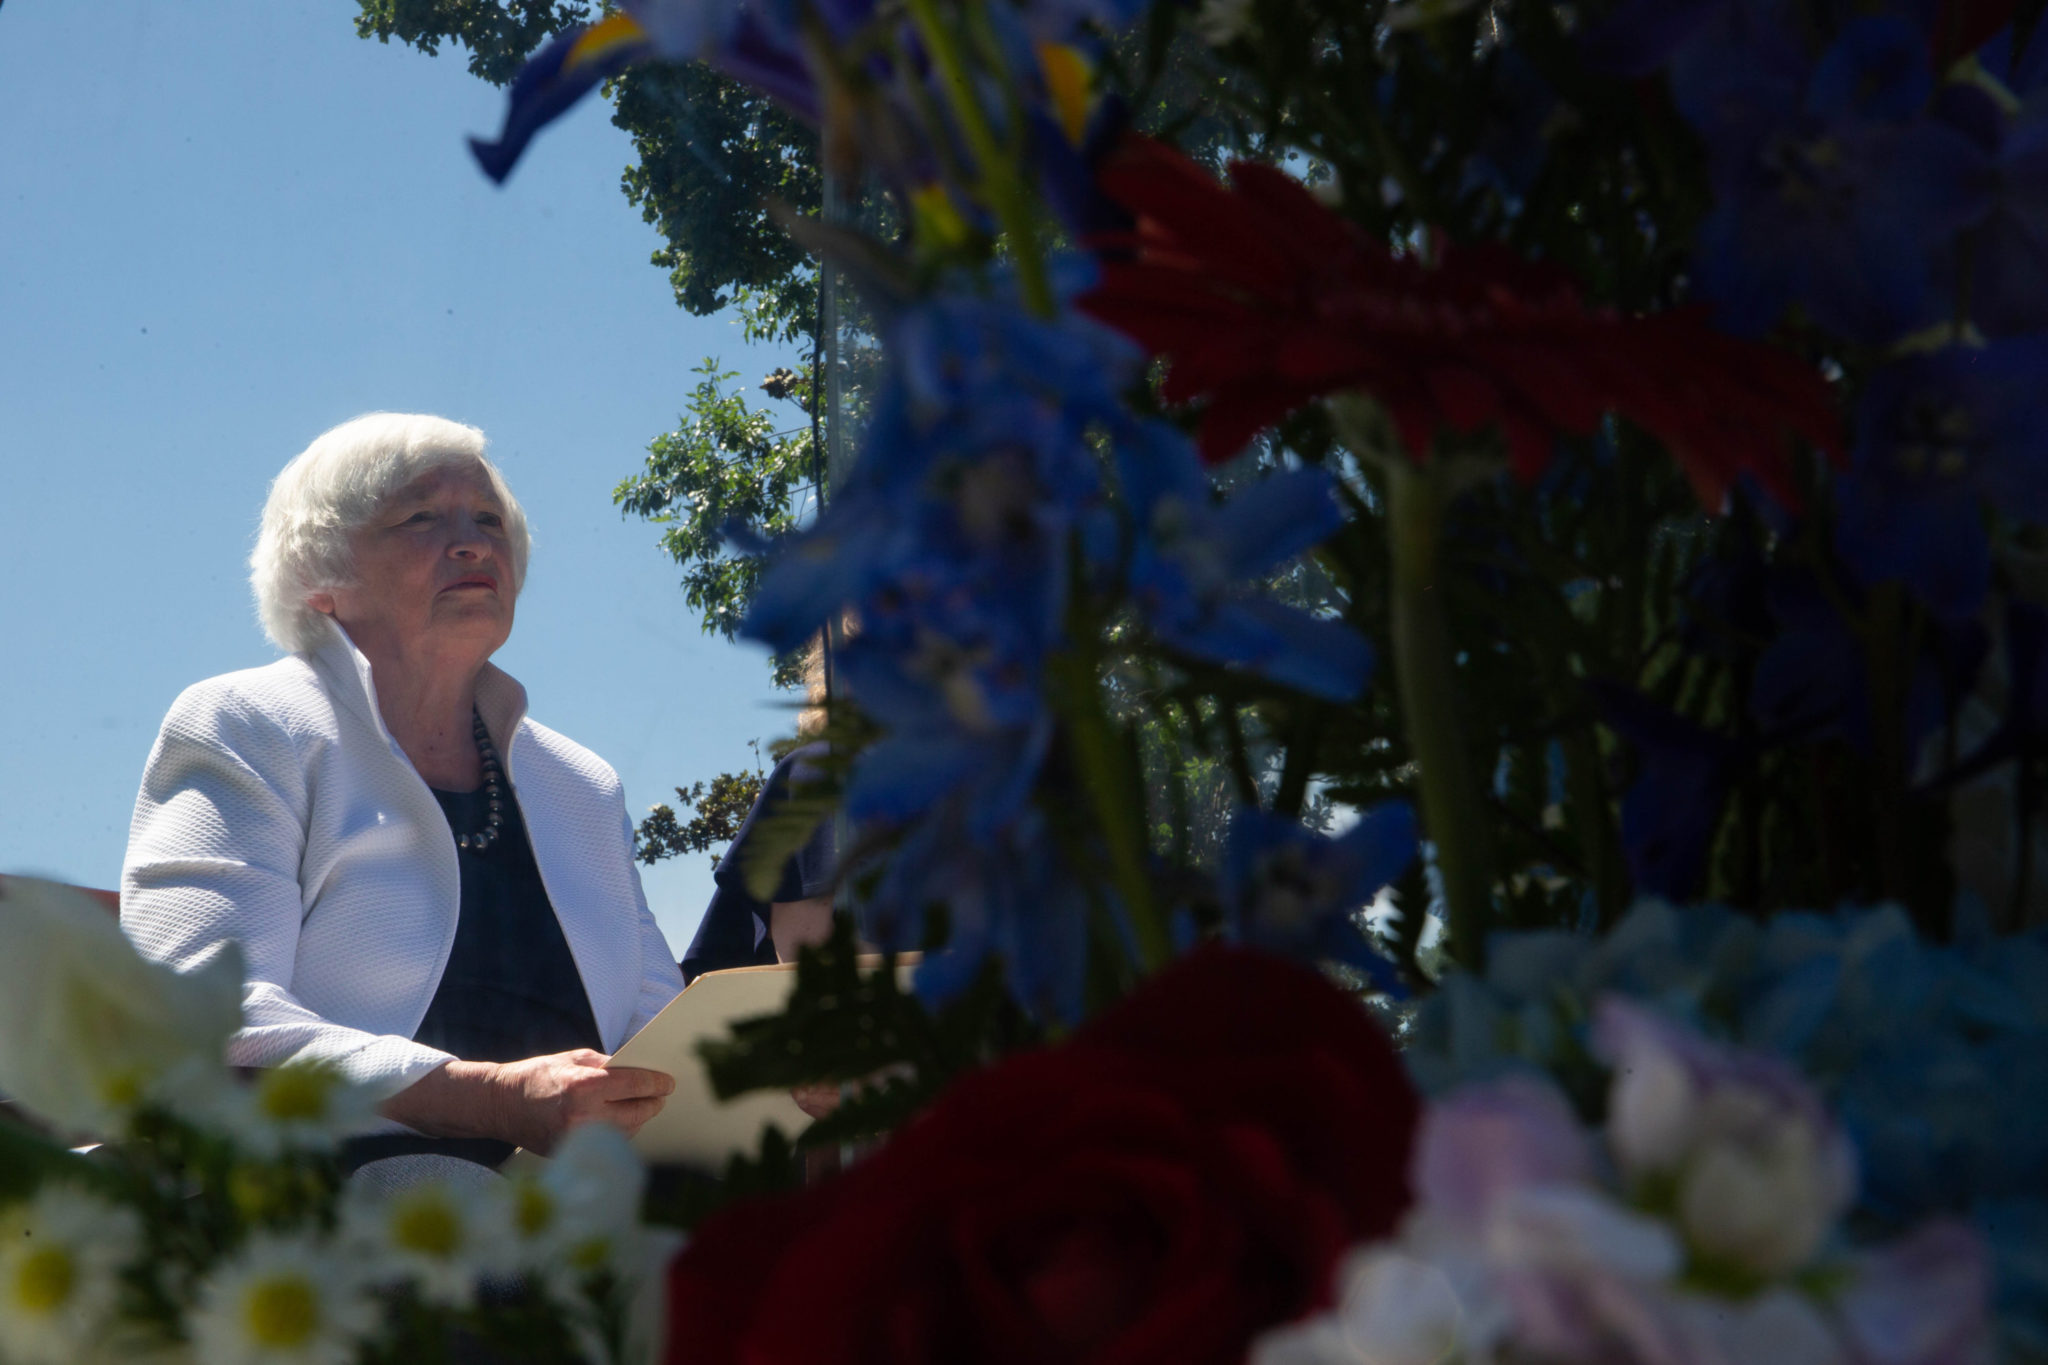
[{"x": 433, "y": 571}]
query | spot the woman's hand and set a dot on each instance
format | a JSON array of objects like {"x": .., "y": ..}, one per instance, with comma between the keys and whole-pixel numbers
[
  {"x": 534, "y": 1102},
  {"x": 542, "y": 1098}
]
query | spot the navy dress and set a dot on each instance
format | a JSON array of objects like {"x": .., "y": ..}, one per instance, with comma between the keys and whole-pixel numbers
[
  {"x": 511, "y": 989},
  {"x": 734, "y": 930}
]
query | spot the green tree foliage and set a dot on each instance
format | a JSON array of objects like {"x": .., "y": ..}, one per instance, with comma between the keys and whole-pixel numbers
[
  {"x": 722, "y": 807},
  {"x": 727, "y": 462},
  {"x": 500, "y": 34},
  {"x": 714, "y": 159}
]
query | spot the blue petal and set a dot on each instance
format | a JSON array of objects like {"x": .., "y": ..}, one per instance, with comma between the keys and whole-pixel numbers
[
  {"x": 903, "y": 775},
  {"x": 1276, "y": 519},
  {"x": 1310, "y": 654},
  {"x": 1383, "y": 842},
  {"x": 569, "y": 66}
]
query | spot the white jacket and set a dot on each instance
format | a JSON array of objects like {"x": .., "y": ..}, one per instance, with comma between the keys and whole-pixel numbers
[{"x": 277, "y": 810}]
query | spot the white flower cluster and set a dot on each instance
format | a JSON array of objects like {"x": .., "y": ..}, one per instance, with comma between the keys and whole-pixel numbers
[{"x": 92, "y": 1036}]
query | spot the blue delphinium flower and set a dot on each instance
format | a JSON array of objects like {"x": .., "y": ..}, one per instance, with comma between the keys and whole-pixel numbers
[
  {"x": 983, "y": 485},
  {"x": 1833, "y": 187},
  {"x": 1292, "y": 891},
  {"x": 1010, "y": 897},
  {"x": 1194, "y": 560},
  {"x": 1941, "y": 439},
  {"x": 2003, "y": 266},
  {"x": 1672, "y": 808},
  {"x": 1813, "y": 680}
]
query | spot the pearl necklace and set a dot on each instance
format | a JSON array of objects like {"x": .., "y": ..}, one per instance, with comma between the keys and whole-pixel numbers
[{"x": 486, "y": 838}]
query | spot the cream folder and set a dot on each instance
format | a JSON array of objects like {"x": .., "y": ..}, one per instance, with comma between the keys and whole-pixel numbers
[{"x": 695, "y": 1127}]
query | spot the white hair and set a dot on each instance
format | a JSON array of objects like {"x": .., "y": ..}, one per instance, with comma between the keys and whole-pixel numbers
[{"x": 338, "y": 484}]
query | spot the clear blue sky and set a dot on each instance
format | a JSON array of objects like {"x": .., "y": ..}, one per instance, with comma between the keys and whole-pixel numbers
[{"x": 224, "y": 228}]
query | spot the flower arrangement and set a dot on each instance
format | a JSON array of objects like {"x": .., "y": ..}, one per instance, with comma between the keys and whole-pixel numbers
[
  {"x": 1702, "y": 1224},
  {"x": 1594, "y": 453},
  {"x": 212, "y": 1223}
]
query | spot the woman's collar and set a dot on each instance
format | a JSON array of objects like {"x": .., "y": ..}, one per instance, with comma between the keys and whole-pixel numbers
[{"x": 500, "y": 698}]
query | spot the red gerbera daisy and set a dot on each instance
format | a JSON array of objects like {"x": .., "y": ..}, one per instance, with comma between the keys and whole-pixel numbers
[{"x": 1261, "y": 299}]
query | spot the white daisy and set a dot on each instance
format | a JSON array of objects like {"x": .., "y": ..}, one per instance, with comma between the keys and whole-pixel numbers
[
  {"x": 580, "y": 1217},
  {"x": 597, "y": 1181},
  {"x": 281, "y": 1301},
  {"x": 300, "y": 1106},
  {"x": 61, "y": 1255},
  {"x": 434, "y": 1236}
]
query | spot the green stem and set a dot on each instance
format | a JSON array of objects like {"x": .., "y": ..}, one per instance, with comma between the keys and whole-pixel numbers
[
  {"x": 1453, "y": 813},
  {"x": 1000, "y": 183},
  {"x": 1114, "y": 798}
]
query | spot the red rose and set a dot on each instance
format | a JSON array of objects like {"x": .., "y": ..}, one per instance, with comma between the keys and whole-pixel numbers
[{"x": 1179, "y": 1176}]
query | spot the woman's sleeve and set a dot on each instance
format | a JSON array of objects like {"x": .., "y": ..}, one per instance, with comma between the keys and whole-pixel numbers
[
  {"x": 661, "y": 980},
  {"x": 213, "y": 857}
]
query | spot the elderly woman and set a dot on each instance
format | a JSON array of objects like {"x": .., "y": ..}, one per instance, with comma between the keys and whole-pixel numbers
[{"x": 432, "y": 892}]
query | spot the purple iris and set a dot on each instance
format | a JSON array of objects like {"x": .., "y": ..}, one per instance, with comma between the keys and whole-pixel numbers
[
  {"x": 1942, "y": 440},
  {"x": 2004, "y": 267}
]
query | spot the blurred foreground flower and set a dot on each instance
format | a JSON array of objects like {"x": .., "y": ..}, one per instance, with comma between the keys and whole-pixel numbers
[
  {"x": 1725, "y": 1249},
  {"x": 434, "y": 1237},
  {"x": 1757, "y": 1171},
  {"x": 977, "y": 523},
  {"x": 89, "y": 1030},
  {"x": 1292, "y": 891},
  {"x": 1942, "y": 440},
  {"x": 877, "y": 107},
  {"x": 283, "y": 1301},
  {"x": 297, "y": 1107},
  {"x": 1934, "y": 1056},
  {"x": 579, "y": 1218},
  {"x": 1260, "y": 298},
  {"x": 61, "y": 1254},
  {"x": 1182, "y": 1174}
]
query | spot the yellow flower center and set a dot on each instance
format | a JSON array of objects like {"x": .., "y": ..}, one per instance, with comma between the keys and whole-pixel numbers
[
  {"x": 295, "y": 1093},
  {"x": 281, "y": 1314},
  {"x": 533, "y": 1209},
  {"x": 590, "y": 1256},
  {"x": 45, "y": 1279},
  {"x": 427, "y": 1226},
  {"x": 122, "y": 1089}
]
